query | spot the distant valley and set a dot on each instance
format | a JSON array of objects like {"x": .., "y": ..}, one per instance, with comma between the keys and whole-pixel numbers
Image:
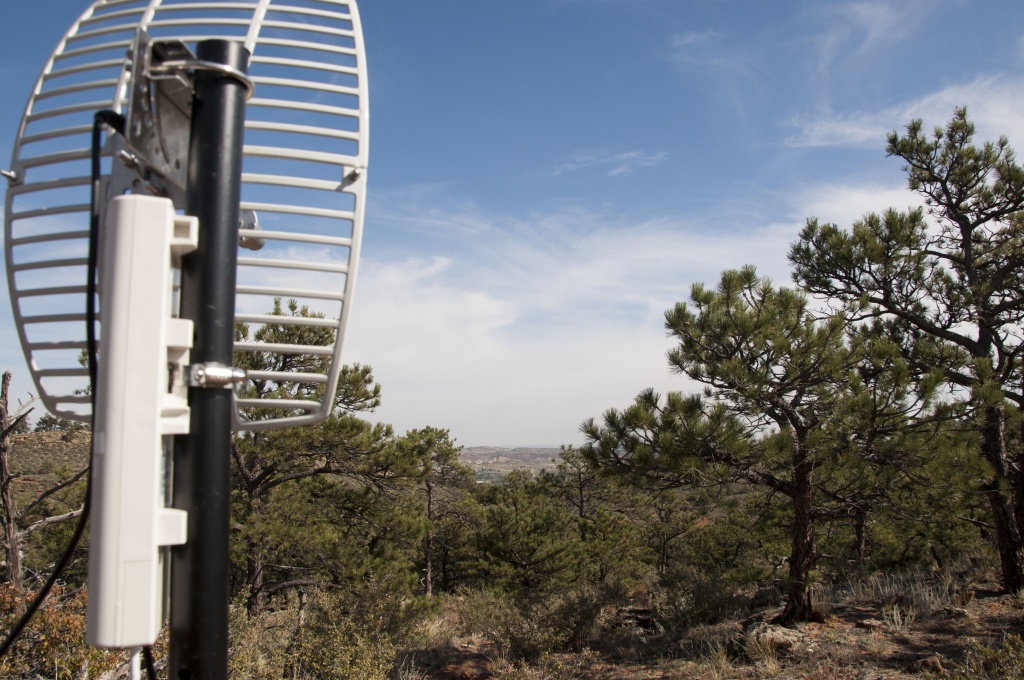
[{"x": 491, "y": 463}]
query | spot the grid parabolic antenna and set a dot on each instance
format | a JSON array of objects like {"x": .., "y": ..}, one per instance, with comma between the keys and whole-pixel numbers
[{"x": 303, "y": 182}]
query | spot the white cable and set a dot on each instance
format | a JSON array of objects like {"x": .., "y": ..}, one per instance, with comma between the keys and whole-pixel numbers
[{"x": 134, "y": 665}]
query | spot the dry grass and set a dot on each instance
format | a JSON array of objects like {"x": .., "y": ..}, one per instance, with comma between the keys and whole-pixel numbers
[
  {"x": 883, "y": 628},
  {"x": 916, "y": 595},
  {"x": 764, "y": 655},
  {"x": 899, "y": 618}
]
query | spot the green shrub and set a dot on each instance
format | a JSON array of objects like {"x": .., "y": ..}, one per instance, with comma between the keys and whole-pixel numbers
[
  {"x": 324, "y": 638},
  {"x": 697, "y": 599},
  {"x": 528, "y": 629},
  {"x": 53, "y": 643},
  {"x": 258, "y": 645},
  {"x": 331, "y": 645},
  {"x": 516, "y": 631}
]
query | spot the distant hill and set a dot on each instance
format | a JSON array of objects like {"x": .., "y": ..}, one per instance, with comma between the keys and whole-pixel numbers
[
  {"x": 35, "y": 456},
  {"x": 491, "y": 463},
  {"x": 38, "y": 457}
]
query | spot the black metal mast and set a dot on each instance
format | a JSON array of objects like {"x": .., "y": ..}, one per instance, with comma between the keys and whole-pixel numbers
[{"x": 202, "y": 467}]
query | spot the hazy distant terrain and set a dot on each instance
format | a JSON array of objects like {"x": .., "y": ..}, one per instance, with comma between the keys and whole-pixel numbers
[
  {"x": 37, "y": 454},
  {"x": 491, "y": 463},
  {"x": 40, "y": 458}
]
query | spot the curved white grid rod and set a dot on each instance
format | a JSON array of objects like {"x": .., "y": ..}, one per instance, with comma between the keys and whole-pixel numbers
[
  {"x": 318, "y": 350},
  {"x": 55, "y": 158},
  {"x": 305, "y": 84},
  {"x": 44, "y": 238},
  {"x": 82, "y": 68},
  {"x": 309, "y": 11},
  {"x": 49, "y": 264},
  {"x": 279, "y": 404},
  {"x": 77, "y": 87},
  {"x": 100, "y": 47},
  {"x": 310, "y": 28},
  {"x": 277, "y": 291},
  {"x": 293, "y": 264},
  {"x": 63, "y": 111},
  {"x": 303, "y": 238},
  {"x": 295, "y": 182},
  {"x": 175, "y": 23},
  {"x": 62, "y": 372},
  {"x": 283, "y": 377},
  {"x": 46, "y": 212},
  {"x": 318, "y": 46},
  {"x": 306, "y": 64},
  {"x": 54, "y": 318},
  {"x": 282, "y": 320},
  {"x": 300, "y": 129},
  {"x": 58, "y": 290},
  {"x": 312, "y": 108},
  {"x": 299, "y": 210},
  {"x": 70, "y": 344},
  {"x": 189, "y": 6},
  {"x": 29, "y": 187},
  {"x": 59, "y": 132},
  {"x": 325, "y": 158}
]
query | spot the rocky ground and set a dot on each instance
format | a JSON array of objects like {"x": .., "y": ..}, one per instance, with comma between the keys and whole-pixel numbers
[{"x": 857, "y": 639}]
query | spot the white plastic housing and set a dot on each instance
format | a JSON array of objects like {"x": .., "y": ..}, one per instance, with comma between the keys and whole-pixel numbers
[{"x": 140, "y": 397}]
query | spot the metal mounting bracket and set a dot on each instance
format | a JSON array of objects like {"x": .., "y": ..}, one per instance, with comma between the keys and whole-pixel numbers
[
  {"x": 215, "y": 376},
  {"x": 160, "y": 108}
]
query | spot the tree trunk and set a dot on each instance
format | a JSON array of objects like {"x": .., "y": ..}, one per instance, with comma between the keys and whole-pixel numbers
[
  {"x": 428, "y": 542},
  {"x": 257, "y": 600},
  {"x": 1009, "y": 536},
  {"x": 12, "y": 542},
  {"x": 12, "y": 535},
  {"x": 860, "y": 530},
  {"x": 1008, "y": 539},
  {"x": 798, "y": 597},
  {"x": 581, "y": 504},
  {"x": 445, "y": 556}
]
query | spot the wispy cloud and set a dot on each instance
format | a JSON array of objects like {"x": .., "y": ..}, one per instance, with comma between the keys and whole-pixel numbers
[
  {"x": 995, "y": 103},
  {"x": 709, "y": 52},
  {"x": 685, "y": 41},
  {"x": 606, "y": 163},
  {"x": 843, "y": 204},
  {"x": 856, "y": 29},
  {"x": 542, "y": 319}
]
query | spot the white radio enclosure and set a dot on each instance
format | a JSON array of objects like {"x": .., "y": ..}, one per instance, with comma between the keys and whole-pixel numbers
[{"x": 140, "y": 398}]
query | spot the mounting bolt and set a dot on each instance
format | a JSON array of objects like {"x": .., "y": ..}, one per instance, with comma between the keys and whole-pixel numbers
[
  {"x": 11, "y": 175},
  {"x": 349, "y": 178},
  {"x": 129, "y": 159},
  {"x": 215, "y": 376}
]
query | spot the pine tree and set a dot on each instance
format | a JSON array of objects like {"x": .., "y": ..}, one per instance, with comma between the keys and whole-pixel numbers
[
  {"x": 443, "y": 482},
  {"x": 774, "y": 373},
  {"x": 526, "y": 538},
  {"x": 949, "y": 289},
  {"x": 360, "y": 456}
]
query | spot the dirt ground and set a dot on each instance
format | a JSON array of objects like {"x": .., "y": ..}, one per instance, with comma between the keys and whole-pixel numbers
[{"x": 856, "y": 640}]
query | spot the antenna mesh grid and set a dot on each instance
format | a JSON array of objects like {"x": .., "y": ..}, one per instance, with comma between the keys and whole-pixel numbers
[{"x": 304, "y": 177}]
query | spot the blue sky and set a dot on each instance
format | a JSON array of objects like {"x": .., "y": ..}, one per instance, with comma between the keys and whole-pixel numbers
[{"x": 548, "y": 176}]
